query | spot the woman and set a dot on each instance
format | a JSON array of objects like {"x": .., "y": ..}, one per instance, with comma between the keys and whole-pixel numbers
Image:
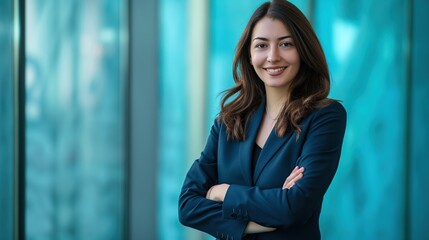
[{"x": 275, "y": 146}]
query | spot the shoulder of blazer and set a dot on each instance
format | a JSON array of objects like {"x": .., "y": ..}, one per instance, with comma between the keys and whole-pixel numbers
[
  {"x": 335, "y": 108},
  {"x": 334, "y": 111}
]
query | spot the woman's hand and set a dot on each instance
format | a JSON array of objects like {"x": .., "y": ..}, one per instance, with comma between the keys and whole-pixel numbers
[
  {"x": 296, "y": 174},
  {"x": 217, "y": 192}
]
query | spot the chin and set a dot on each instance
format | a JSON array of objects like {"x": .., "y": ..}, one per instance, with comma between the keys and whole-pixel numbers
[{"x": 273, "y": 84}]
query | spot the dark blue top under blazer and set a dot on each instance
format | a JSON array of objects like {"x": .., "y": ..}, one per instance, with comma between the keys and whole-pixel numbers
[{"x": 259, "y": 197}]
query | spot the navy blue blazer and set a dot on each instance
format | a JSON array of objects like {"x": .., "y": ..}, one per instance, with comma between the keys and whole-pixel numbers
[{"x": 260, "y": 197}]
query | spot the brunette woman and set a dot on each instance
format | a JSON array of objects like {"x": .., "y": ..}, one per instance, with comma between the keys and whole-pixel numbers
[{"x": 274, "y": 148}]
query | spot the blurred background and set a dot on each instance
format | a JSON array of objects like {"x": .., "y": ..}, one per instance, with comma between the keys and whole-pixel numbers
[{"x": 104, "y": 104}]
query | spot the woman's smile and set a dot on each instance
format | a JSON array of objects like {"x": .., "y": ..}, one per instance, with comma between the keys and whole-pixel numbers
[{"x": 275, "y": 71}]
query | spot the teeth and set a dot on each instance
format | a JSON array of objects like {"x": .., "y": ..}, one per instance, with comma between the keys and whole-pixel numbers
[{"x": 275, "y": 70}]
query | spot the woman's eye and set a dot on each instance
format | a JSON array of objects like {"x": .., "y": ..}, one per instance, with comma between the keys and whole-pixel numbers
[
  {"x": 260, "y": 45},
  {"x": 286, "y": 44}
]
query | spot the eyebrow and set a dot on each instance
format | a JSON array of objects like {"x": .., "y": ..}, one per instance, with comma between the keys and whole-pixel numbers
[{"x": 266, "y": 39}]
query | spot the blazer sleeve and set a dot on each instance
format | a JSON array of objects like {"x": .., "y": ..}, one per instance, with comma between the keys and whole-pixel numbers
[
  {"x": 194, "y": 209},
  {"x": 320, "y": 157}
]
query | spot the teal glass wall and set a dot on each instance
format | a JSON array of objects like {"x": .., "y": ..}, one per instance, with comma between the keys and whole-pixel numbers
[
  {"x": 172, "y": 113},
  {"x": 367, "y": 53},
  {"x": 76, "y": 125},
  {"x": 75, "y": 60},
  {"x": 6, "y": 120},
  {"x": 419, "y": 127}
]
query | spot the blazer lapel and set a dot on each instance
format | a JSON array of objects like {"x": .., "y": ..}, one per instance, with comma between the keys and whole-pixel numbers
[
  {"x": 246, "y": 147},
  {"x": 271, "y": 146}
]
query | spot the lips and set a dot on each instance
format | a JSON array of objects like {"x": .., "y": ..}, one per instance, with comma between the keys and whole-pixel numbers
[{"x": 275, "y": 70}]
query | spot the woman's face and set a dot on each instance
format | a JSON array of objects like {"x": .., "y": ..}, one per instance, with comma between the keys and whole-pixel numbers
[{"x": 273, "y": 54}]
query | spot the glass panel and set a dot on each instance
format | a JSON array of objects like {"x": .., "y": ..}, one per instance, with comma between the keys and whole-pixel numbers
[
  {"x": 75, "y": 119},
  {"x": 6, "y": 120},
  {"x": 172, "y": 131},
  {"x": 419, "y": 127},
  {"x": 366, "y": 49}
]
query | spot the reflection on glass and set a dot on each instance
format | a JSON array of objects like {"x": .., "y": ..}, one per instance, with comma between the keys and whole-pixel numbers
[
  {"x": 6, "y": 120},
  {"x": 366, "y": 52},
  {"x": 74, "y": 106}
]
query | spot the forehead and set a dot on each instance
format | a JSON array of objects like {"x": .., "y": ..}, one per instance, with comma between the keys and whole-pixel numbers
[{"x": 268, "y": 27}]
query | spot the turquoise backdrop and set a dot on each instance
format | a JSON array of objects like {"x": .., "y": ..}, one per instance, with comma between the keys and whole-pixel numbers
[{"x": 77, "y": 113}]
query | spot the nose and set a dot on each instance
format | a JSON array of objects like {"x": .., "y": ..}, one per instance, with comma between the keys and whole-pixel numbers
[{"x": 273, "y": 55}]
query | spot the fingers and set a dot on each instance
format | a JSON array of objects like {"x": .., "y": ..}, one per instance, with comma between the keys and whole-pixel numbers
[
  {"x": 296, "y": 175},
  {"x": 294, "y": 180}
]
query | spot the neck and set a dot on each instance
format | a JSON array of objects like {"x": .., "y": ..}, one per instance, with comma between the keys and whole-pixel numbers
[{"x": 275, "y": 102}]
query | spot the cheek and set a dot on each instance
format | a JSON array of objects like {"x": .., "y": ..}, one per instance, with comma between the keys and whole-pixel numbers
[
  {"x": 295, "y": 58},
  {"x": 297, "y": 63},
  {"x": 257, "y": 60}
]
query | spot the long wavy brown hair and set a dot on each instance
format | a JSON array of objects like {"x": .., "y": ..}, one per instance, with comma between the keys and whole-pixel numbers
[{"x": 309, "y": 89}]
